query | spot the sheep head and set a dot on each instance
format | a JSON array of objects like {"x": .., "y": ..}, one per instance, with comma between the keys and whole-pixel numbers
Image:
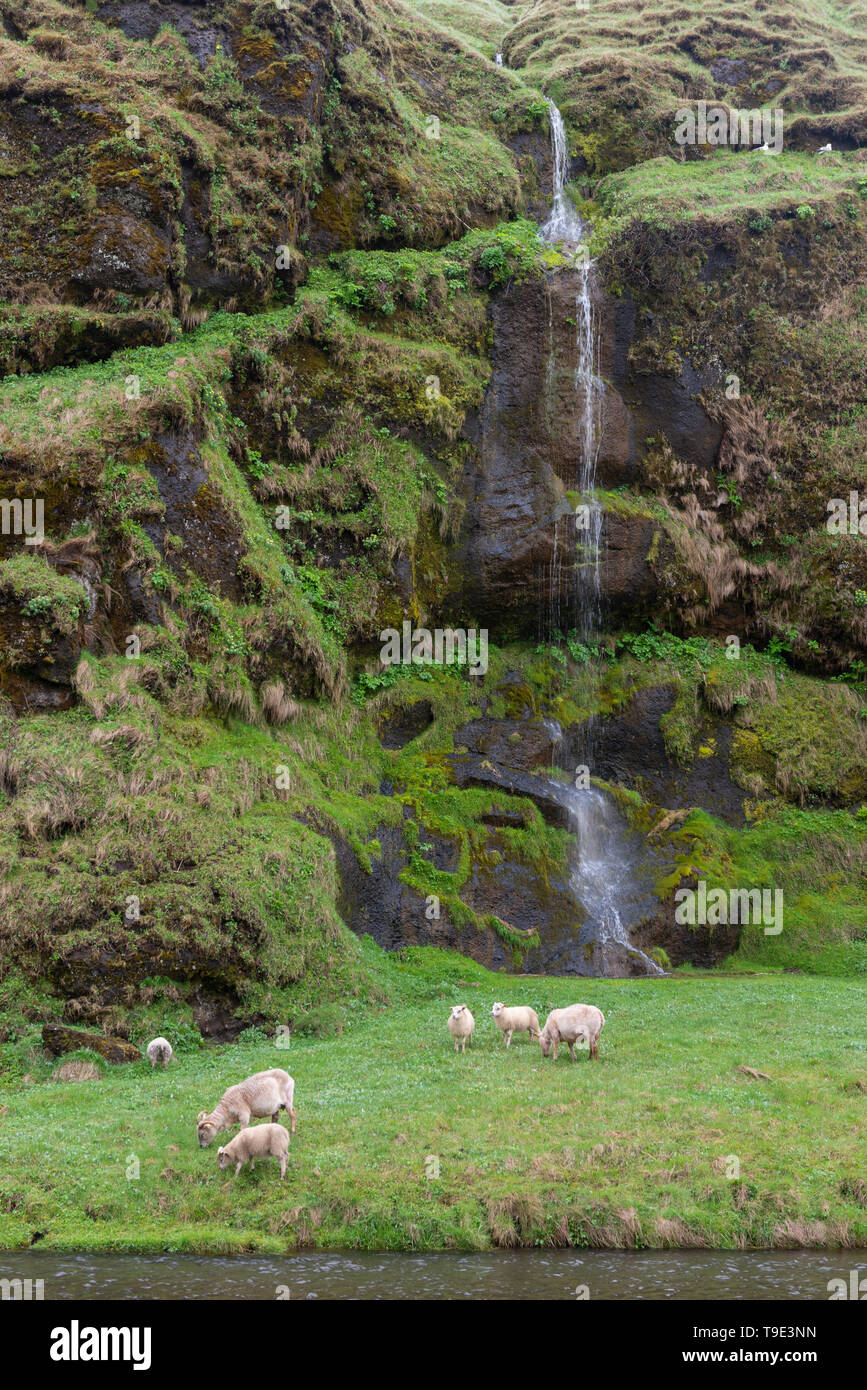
[{"x": 205, "y": 1129}]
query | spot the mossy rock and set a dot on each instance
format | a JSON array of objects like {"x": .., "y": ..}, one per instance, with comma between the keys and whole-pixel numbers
[{"x": 59, "y": 1040}]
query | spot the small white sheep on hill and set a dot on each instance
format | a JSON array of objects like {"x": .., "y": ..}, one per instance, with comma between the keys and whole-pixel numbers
[
  {"x": 266, "y": 1093},
  {"x": 262, "y": 1141},
  {"x": 159, "y": 1052},
  {"x": 461, "y": 1024},
  {"x": 583, "y": 1021},
  {"x": 518, "y": 1020}
]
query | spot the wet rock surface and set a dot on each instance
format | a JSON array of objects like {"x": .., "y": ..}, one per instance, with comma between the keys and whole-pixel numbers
[
  {"x": 379, "y": 905},
  {"x": 520, "y": 744},
  {"x": 629, "y": 750},
  {"x": 516, "y": 562}
]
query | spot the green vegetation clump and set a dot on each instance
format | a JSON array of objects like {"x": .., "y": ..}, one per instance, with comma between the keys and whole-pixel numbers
[{"x": 42, "y": 593}]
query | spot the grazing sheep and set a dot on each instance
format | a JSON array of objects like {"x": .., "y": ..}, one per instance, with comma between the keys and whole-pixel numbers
[
  {"x": 583, "y": 1021},
  {"x": 263, "y": 1141},
  {"x": 461, "y": 1024},
  {"x": 160, "y": 1050},
  {"x": 266, "y": 1093},
  {"x": 519, "y": 1020}
]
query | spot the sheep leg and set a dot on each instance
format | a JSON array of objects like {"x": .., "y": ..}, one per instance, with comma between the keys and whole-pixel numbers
[
  {"x": 252, "y": 1165},
  {"x": 275, "y": 1117},
  {"x": 282, "y": 1166},
  {"x": 509, "y": 1038},
  {"x": 239, "y": 1166},
  {"x": 594, "y": 1050},
  {"x": 292, "y": 1113},
  {"x": 571, "y": 1047}
]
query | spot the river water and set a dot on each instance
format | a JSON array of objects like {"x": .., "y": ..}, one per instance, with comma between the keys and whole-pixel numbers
[{"x": 657, "y": 1275}]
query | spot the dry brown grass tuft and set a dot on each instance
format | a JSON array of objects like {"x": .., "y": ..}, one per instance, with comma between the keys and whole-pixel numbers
[
  {"x": 233, "y": 699},
  {"x": 277, "y": 705},
  {"x": 130, "y": 736},
  {"x": 76, "y": 1071},
  {"x": 674, "y": 1234}
]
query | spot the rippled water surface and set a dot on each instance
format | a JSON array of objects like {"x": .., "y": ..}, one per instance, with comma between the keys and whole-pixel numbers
[{"x": 519, "y": 1274}]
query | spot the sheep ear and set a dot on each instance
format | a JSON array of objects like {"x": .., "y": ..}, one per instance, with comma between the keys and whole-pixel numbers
[{"x": 220, "y": 1151}]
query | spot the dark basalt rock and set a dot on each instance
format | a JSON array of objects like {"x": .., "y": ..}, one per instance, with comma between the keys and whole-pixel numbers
[
  {"x": 379, "y": 905},
  {"x": 213, "y": 541},
  {"x": 59, "y": 1039},
  {"x": 515, "y": 561},
  {"x": 398, "y": 725},
  {"x": 731, "y": 71},
  {"x": 217, "y": 1018},
  {"x": 521, "y": 744},
  {"x": 110, "y": 965},
  {"x": 628, "y": 749},
  {"x": 701, "y": 946},
  {"x": 143, "y": 19}
]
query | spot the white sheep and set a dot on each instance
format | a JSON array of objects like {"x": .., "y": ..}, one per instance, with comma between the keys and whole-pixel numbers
[
  {"x": 266, "y": 1093},
  {"x": 262, "y": 1141},
  {"x": 159, "y": 1051},
  {"x": 461, "y": 1024},
  {"x": 518, "y": 1020},
  {"x": 583, "y": 1021}
]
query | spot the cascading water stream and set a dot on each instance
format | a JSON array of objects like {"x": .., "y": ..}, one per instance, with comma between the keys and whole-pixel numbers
[
  {"x": 603, "y": 872},
  {"x": 565, "y": 229}
]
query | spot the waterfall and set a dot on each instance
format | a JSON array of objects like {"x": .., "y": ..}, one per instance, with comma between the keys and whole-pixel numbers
[
  {"x": 563, "y": 224},
  {"x": 603, "y": 870},
  {"x": 564, "y": 228}
]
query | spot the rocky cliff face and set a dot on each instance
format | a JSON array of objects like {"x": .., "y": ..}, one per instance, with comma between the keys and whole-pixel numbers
[{"x": 286, "y": 365}]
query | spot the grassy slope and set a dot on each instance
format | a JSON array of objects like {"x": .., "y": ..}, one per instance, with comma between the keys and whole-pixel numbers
[
  {"x": 516, "y": 1178},
  {"x": 629, "y": 1152},
  {"x": 620, "y": 69}
]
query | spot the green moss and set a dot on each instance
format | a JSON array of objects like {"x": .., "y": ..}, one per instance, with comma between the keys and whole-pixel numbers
[{"x": 43, "y": 594}]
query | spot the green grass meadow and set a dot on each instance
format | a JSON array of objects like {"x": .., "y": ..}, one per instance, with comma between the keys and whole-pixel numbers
[{"x": 637, "y": 1151}]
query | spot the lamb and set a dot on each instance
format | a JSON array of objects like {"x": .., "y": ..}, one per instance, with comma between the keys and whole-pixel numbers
[
  {"x": 266, "y": 1093},
  {"x": 519, "y": 1020},
  {"x": 263, "y": 1141},
  {"x": 583, "y": 1021},
  {"x": 461, "y": 1024},
  {"x": 160, "y": 1050}
]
